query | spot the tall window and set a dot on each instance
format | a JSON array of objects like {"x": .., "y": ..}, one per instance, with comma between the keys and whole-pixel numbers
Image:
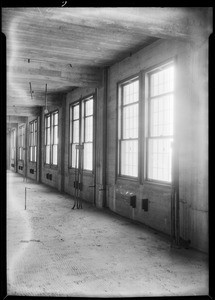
[
  {"x": 13, "y": 143},
  {"x": 128, "y": 133},
  {"x": 21, "y": 141},
  {"x": 160, "y": 124},
  {"x": 51, "y": 138},
  {"x": 74, "y": 132},
  {"x": 81, "y": 132},
  {"x": 88, "y": 134},
  {"x": 33, "y": 141}
]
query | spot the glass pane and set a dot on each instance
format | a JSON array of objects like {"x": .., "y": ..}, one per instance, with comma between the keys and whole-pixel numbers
[
  {"x": 75, "y": 156},
  {"x": 20, "y": 153},
  {"x": 131, "y": 92},
  {"x": 76, "y": 112},
  {"x": 88, "y": 129},
  {"x": 48, "y": 136},
  {"x": 130, "y": 121},
  {"x": 47, "y": 155},
  {"x": 76, "y": 131},
  {"x": 55, "y": 117},
  {"x": 161, "y": 117},
  {"x": 48, "y": 121},
  {"x": 55, "y": 135},
  {"x": 160, "y": 159},
  {"x": 89, "y": 107},
  {"x": 162, "y": 81},
  {"x": 54, "y": 154},
  {"x": 35, "y": 138},
  {"x": 129, "y": 158},
  {"x": 31, "y": 154},
  {"x": 88, "y": 156},
  {"x": 35, "y": 153},
  {"x": 35, "y": 126}
]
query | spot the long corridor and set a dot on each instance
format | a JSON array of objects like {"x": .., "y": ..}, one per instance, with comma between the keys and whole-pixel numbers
[{"x": 53, "y": 250}]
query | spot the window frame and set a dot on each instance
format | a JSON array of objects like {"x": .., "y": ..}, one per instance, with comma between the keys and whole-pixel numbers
[
  {"x": 71, "y": 109},
  {"x": 143, "y": 124},
  {"x": 51, "y": 137},
  {"x": 13, "y": 144},
  {"x": 81, "y": 103},
  {"x": 120, "y": 85},
  {"x": 34, "y": 146},
  {"x": 147, "y": 75},
  {"x": 21, "y": 141}
]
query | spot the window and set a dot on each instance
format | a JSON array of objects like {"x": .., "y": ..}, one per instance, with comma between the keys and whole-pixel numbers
[
  {"x": 128, "y": 133},
  {"x": 33, "y": 141},
  {"x": 74, "y": 132},
  {"x": 51, "y": 138},
  {"x": 21, "y": 141},
  {"x": 160, "y": 123},
  {"x": 88, "y": 134},
  {"x": 13, "y": 143},
  {"x": 81, "y": 132}
]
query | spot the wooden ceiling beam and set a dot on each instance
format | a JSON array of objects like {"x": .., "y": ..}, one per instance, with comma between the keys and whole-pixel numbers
[
  {"x": 23, "y": 111},
  {"x": 11, "y": 119},
  {"x": 75, "y": 77},
  {"x": 55, "y": 100},
  {"x": 162, "y": 22}
]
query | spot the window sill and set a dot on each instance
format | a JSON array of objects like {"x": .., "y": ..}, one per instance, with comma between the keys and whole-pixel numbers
[
  {"x": 130, "y": 179},
  {"x": 157, "y": 184},
  {"x": 48, "y": 166},
  {"x": 85, "y": 172}
]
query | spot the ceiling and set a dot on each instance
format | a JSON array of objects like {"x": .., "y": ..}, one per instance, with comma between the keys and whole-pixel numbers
[{"x": 67, "y": 47}]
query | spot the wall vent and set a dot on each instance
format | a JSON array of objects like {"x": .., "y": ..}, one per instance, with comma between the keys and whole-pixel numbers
[
  {"x": 133, "y": 201},
  {"x": 145, "y": 204},
  {"x": 32, "y": 171},
  {"x": 49, "y": 176}
]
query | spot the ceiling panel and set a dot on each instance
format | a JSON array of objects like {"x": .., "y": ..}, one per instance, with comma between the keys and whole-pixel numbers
[{"x": 67, "y": 48}]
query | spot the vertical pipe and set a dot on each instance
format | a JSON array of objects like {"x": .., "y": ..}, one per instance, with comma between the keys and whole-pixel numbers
[
  {"x": 105, "y": 135},
  {"x": 26, "y": 151},
  {"x": 63, "y": 141},
  {"x": 40, "y": 146},
  {"x": 95, "y": 141}
]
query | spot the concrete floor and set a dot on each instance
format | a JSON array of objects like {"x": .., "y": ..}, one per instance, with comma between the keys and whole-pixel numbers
[{"x": 55, "y": 251}]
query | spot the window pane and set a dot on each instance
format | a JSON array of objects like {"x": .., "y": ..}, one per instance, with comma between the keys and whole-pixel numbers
[
  {"x": 31, "y": 154},
  {"x": 76, "y": 112},
  {"x": 20, "y": 153},
  {"x": 35, "y": 138},
  {"x": 89, "y": 107},
  {"x": 160, "y": 159},
  {"x": 35, "y": 153},
  {"x": 162, "y": 82},
  {"x": 76, "y": 131},
  {"x": 74, "y": 158},
  {"x": 55, "y": 135},
  {"x": 47, "y": 154},
  {"x": 48, "y": 136},
  {"x": 161, "y": 118},
  {"x": 48, "y": 121},
  {"x": 130, "y": 121},
  {"x": 88, "y": 156},
  {"x": 88, "y": 129},
  {"x": 55, "y": 117},
  {"x": 131, "y": 92},
  {"x": 54, "y": 154},
  {"x": 129, "y": 158}
]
